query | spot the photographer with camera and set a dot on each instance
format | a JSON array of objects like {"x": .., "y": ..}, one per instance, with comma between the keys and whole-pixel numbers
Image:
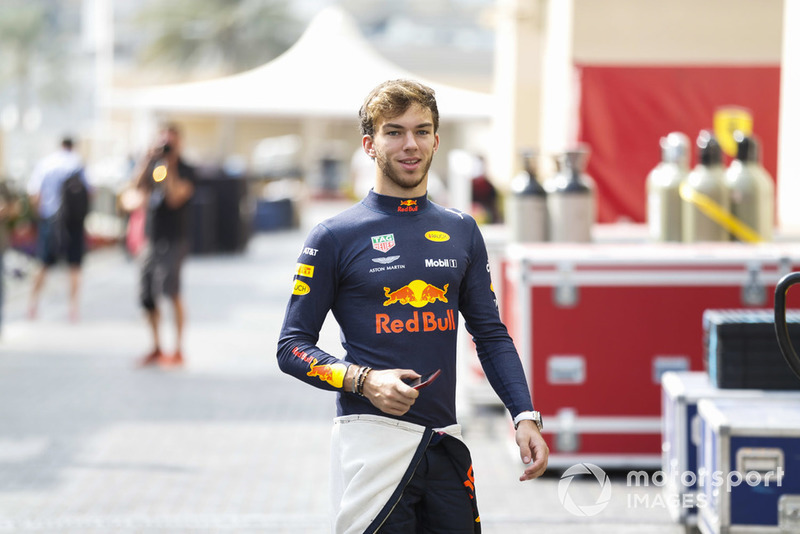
[{"x": 168, "y": 183}]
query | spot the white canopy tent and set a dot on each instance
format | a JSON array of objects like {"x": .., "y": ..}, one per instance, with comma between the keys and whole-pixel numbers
[
  {"x": 320, "y": 81},
  {"x": 325, "y": 74}
]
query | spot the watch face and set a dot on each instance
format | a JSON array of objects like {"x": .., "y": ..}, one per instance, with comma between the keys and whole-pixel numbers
[
  {"x": 534, "y": 416},
  {"x": 537, "y": 417}
]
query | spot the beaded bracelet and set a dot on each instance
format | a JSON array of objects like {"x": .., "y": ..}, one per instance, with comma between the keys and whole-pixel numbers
[
  {"x": 360, "y": 374},
  {"x": 362, "y": 377},
  {"x": 357, "y": 378}
]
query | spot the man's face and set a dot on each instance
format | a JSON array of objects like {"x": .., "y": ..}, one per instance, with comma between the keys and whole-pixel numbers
[{"x": 403, "y": 148}]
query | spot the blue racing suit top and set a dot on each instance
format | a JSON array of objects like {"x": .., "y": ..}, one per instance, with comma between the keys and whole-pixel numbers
[{"x": 396, "y": 273}]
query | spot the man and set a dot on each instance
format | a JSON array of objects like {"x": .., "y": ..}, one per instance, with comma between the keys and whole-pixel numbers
[
  {"x": 395, "y": 270},
  {"x": 168, "y": 183},
  {"x": 55, "y": 236},
  {"x": 9, "y": 209},
  {"x": 484, "y": 196}
]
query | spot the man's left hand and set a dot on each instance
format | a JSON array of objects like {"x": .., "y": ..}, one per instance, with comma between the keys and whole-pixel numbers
[{"x": 532, "y": 450}]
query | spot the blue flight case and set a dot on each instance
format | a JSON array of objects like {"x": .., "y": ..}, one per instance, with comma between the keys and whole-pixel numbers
[
  {"x": 749, "y": 466},
  {"x": 681, "y": 392}
]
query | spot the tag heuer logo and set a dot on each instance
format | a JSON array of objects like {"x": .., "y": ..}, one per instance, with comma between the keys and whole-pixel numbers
[{"x": 383, "y": 243}]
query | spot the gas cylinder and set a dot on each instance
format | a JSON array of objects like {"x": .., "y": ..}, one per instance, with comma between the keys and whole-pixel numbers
[
  {"x": 526, "y": 207},
  {"x": 571, "y": 199},
  {"x": 663, "y": 188},
  {"x": 704, "y": 193},
  {"x": 750, "y": 187}
]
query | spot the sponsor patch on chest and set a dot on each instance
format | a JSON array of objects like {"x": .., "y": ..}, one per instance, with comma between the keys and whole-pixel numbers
[
  {"x": 441, "y": 262},
  {"x": 383, "y": 243}
]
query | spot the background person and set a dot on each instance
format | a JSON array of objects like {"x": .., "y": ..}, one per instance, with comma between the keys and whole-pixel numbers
[
  {"x": 396, "y": 270},
  {"x": 168, "y": 183},
  {"x": 9, "y": 209},
  {"x": 56, "y": 237},
  {"x": 485, "y": 199}
]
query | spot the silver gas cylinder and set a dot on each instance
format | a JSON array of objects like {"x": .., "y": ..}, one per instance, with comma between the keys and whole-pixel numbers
[
  {"x": 704, "y": 191},
  {"x": 664, "y": 211},
  {"x": 526, "y": 206},
  {"x": 751, "y": 188},
  {"x": 571, "y": 199}
]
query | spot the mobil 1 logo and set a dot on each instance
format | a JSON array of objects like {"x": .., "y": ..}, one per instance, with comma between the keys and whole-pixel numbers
[{"x": 441, "y": 263}]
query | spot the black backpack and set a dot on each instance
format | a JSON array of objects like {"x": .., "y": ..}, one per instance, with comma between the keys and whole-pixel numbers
[{"x": 74, "y": 200}]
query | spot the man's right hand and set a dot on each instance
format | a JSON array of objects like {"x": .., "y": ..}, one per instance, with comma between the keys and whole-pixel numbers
[{"x": 387, "y": 391}]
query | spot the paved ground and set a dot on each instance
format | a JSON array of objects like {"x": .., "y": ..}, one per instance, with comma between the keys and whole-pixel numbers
[{"x": 89, "y": 443}]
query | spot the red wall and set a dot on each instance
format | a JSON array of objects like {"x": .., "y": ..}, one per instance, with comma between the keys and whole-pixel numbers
[{"x": 624, "y": 111}]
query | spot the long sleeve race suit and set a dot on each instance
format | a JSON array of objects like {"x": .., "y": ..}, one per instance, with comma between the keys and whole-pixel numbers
[{"x": 396, "y": 273}]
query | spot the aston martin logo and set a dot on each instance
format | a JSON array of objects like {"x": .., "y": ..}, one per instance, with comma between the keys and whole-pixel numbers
[{"x": 387, "y": 260}]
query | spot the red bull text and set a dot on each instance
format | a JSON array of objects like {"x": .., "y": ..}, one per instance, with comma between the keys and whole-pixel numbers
[
  {"x": 407, "y": 205},
  {"x": 428, "y": 322},
  {"x": 304, "y": 356}
]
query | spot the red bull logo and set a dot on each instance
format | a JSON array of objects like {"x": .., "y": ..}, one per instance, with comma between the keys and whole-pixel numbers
[
  {"x": 432, "y": 293},
  {"x": 407, "y": 205},
  {"x": 404, "y": 295},
  {"x": 417, "y": 293},
  {"x": 324, "y": 372},
  {"x": 333, "y": 373}
]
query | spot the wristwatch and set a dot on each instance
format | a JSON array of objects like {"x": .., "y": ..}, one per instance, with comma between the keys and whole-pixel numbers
[{"x": 534, "y": 416}]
